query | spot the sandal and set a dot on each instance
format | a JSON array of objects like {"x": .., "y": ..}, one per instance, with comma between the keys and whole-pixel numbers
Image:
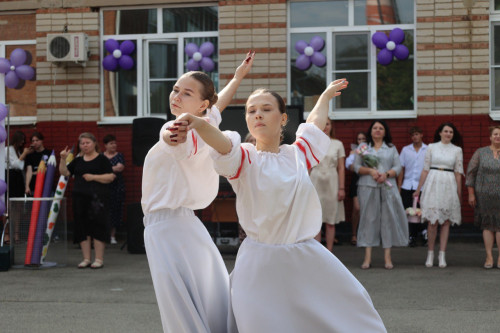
[
  {"x": 98, "y": 263},
  {"x": 354, "y": 241},
  {"x": 84, "y": 264}
]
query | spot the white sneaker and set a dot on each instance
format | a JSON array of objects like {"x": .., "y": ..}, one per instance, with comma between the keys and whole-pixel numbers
[
  {"x": 113, "y": 240},
  {"x": 430, "y": 259},
  {"x": 442, "y": 259}
]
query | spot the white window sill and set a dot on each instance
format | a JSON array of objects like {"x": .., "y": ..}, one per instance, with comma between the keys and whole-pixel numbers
[
  {"x": 495, "y": 115},
  {"x": 363, "y": 115},
  {"x": 124, "y": 120}
]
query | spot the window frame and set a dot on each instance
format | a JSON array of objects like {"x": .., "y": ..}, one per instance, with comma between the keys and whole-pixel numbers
[
  {"x": 353, "y": 114},
  {"x": 494, "y": 21},
  {"x": 141, "y": 52}
]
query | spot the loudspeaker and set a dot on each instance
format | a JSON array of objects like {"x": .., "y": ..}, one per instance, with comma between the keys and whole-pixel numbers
[
  {"x": 135, "y": 229},
  {"x": 145, "y": 133}
]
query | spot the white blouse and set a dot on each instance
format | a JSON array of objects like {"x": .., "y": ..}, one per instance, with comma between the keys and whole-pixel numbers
[
  {"x": 14, "y": 161},
  {"x": 275, "y": 199},
  {"x": 182, "y": 175}
]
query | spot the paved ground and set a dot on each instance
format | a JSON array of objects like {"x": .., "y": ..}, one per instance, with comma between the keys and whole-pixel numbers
[{"x": 120, "y": 297}]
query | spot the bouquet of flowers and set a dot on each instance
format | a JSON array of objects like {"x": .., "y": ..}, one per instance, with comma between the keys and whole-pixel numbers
[
  {"x": 413, "y": 213},
  {"x": 370, "y": 160}
]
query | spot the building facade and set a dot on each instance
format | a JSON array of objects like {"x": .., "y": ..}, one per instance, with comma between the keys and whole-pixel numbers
[{"x": 449, "y": 74}]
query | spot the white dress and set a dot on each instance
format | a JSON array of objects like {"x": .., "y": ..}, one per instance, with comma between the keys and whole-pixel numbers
[
  {"x": 439, "y": 199},
  {"x": 325, "y": 179},
  {"x": 283, "y": 279},
  {"x": 190, "y": 279}
]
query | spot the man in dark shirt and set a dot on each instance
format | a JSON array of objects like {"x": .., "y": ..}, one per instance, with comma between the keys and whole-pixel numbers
[{"x": 33, "y": 160}]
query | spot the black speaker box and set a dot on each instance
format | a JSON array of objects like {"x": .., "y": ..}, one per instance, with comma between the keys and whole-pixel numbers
[
  {"x": 135, "y": 229},
  {"x": 145, "y": 133}
]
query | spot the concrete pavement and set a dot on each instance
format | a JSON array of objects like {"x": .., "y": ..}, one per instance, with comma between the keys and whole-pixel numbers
[{"x": 120, "y": 297}]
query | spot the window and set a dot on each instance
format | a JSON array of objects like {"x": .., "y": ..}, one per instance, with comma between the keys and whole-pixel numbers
[
  {"x": 346, "y": 27},
  {"x": 160, "y": 36},
  {"x": 495, "y": 70}
]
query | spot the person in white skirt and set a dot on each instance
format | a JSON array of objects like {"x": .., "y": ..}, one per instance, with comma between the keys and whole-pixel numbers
[
  {"x": 278, "y": 282},
  {"x": 440, "y": 199},
  {"x": 190, "y": 279},
  {"x": 328, "y": 178}
]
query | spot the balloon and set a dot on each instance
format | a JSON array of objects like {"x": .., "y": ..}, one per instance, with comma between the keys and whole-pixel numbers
[
  {"x": 11, "y": 80},
  {"x": 3, "y": 135},
  {"x": 318, "y": 59},
  {"x": 4, "y": 65},
  {"x": 207, "y": 64},
  {"x": 207, "y": 49},
  {"x": 300, "y": 46},
  {"x": 127, "y": 47},
  {"x": 303, "y": 62},
  {"x": 126, "y": 62},
  {"x": 18, "y": 57},
  {"x": 3, "y": 186},
  {"x": 380, "y": 39},
  {"x": 25, "y": 72},
  {"x": 111, "y": 45},
  {"x": 384, "y": 57},
  {"x": 192, "y": 65},
  {"x": 190, "y": 49},
  {"x": 397, "y": 35},
  {"x": 2, "y": 207},
  {"x": 317, "y": 43},
  {"x": 110, "y": 63},
  {"x": 401, "y": 52},
  {"x": 3, "y": 111}
]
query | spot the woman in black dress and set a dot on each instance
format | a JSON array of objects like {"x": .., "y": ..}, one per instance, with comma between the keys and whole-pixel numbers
[{"x": 92, "y": 173}]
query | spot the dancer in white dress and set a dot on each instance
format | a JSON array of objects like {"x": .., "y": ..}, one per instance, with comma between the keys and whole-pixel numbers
[
  {"x": 278, "y": 281},
  {"x": 442, "y": 183},
  {"x": 189, "y": 276},
  {"x": 328, "y": 178}
]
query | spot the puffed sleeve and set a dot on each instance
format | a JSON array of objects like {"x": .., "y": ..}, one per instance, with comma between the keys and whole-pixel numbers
[
  {"x": 428, "y": 158},
  {"x": 230, "y": 165},
  {"x": 459, "y": 161},
  {"x": 312, "y": 142},
  {"x": 396, "y": 164},
  {"x": 470, "y": 178}
]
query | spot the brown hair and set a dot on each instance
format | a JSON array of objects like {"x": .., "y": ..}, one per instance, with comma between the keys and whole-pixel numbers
[
  {"x": 415, "y": 129},
  {"x": 88, "y": 135},
  {"x": 492, "y": 128},
  {"x": 279, "y": 99},
  {"x": 208, "y": 91},
  {"x": 332, "y": 129}
]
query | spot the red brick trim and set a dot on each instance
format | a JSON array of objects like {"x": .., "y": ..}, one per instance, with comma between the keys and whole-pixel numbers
[
  {"x": 88, "y": 32},
  {"x": 453, "y": 98},
  {"x": 453, "y": 18},
  {"x": 66, "y": 82},
  {"x": 452, "y": 46},
  {"x": 453, "y": 72},
  {"x": 269, "y": 25},
  {"x": 64, "y": 10},
  {"x": 256, "y": 76},
  {"x": 259, "y": 50},
  {"x": 248, "y": 2},
  {"x": 243, "y": 101},
  {"x": 68, "y": 105}
]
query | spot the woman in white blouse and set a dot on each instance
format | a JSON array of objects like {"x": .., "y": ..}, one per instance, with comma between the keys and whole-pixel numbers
[{"x": 280, "y": 267}]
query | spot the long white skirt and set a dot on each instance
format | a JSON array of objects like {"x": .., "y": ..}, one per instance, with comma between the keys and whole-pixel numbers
[
  {"x": 299, "y": 288},
  {"x": 190, "y": 279}
]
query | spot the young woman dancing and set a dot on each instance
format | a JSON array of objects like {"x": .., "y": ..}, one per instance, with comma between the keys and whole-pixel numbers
[
  {"x": 189, "y": 276},
  {"x": 278, "y": 282}
]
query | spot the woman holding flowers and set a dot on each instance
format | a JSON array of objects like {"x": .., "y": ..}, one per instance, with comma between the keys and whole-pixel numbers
[{"x": 382, "y": 215}]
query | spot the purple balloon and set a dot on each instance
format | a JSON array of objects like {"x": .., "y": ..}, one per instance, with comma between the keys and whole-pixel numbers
[
  {"x": 127, "y": 47},
  {"x": 401, "y": 52},
  {"x": 3, "y": 187},
  {"x": 190, "y": 49},
  {"x": 25, "y": 72},
  {"x": 300, "y": 46},
  {"x": 4, "y": 65},
  {"x": 3, "y": 111},
  {"x": 18, "y": 57},
  {"x": 207, "y": 64},
  {"x": 397, "y": 35},
  {"x": 380, "y": 39},
  {"x": 111, "y": 45},
  {"x": 192, "y": 65},
  {"x": 110, "y": 63},
  {"x": 384, "y": 57},
  {"x": 206, "y": 49},
  {"x": 317, "y": 43},
  {"x": 126, "y": 62},
  {"x": 3, "y": 136},
  {"x": 2, "y": 207},
  {"x": 11, "y": 80},
  {"x": 318, "y": 59},
  {"x": 303, "y": 62}
]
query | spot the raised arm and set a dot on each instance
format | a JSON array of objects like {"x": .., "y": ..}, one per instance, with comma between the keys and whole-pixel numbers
[
  {"x": 319, "y": 113},
  {"x": 226, "y": 94}
]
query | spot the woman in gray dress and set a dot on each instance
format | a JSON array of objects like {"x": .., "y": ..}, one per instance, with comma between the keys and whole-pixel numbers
[
  {"x": 382, "y": 215},
  {"x": 483, "y": 185}
]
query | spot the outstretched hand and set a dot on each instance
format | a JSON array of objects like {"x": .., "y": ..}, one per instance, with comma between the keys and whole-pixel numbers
[
  {"x": 177, "y": 133},
  {"x": 334, "y": 88},
  {"x": 245, "y": 66}
]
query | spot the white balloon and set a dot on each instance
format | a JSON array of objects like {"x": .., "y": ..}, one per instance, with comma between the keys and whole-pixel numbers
[
  {"x": 117, "y": 53},
  {"x": 197, "y": 56},
  {"x": 12, "y": 68},
  {"x": 309, "y": 51},
  {"x": 390, "y": 45}
]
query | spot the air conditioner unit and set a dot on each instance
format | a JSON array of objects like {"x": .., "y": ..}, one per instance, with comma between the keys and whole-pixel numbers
[{"x": 67, "y": 47}]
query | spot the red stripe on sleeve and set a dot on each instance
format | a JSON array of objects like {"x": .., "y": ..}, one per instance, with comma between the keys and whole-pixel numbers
[
  {"x": 302, "y": 149},
  {"x": 195, "y": 143},
  {"x": 241, "y": 164},
  {"x": 248, "y": 154},
  {"x": 301, "y": 138}
]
